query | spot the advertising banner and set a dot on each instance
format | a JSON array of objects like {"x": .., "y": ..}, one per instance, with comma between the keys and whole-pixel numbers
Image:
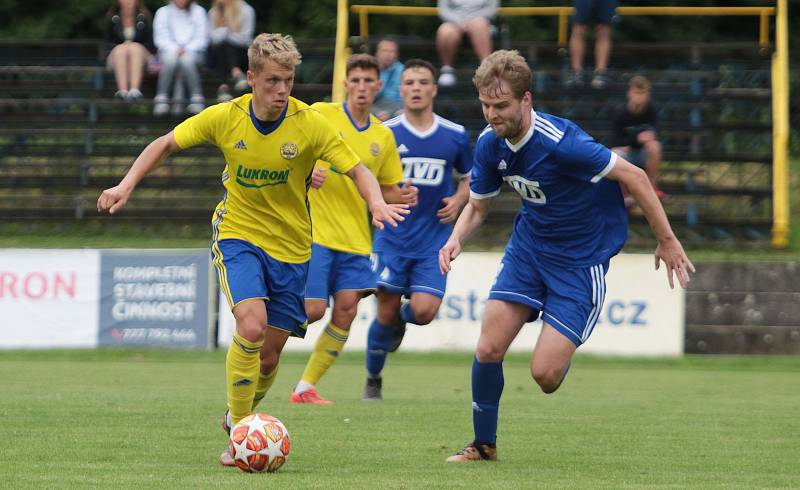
[
  {"x": 641, "y": 316},
  {"x": 155, "y": 298},
  {"x": 48, "y": 298}
]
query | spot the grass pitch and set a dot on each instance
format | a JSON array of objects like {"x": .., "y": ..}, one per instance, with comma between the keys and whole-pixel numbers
[{"x": 149, "y": 419}]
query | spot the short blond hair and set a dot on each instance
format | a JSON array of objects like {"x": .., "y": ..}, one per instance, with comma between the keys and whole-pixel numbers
[
  {"x": 277, "y": 47},
  {"x": 500, "y": 66}
]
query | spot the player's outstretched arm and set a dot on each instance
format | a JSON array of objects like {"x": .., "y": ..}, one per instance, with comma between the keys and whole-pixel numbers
[
  {"x": 115, "y": 198},
  {"x": 471, "y": 218},
  {"x": 669, "y": 249},
  {"x": 369, "y": 189}
]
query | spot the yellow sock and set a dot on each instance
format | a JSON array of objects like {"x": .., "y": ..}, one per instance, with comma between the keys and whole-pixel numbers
[
  {"x": 241, "y": 375},
  {"x": 328, "y": 347},
  {"x": 264, "y": 384}
]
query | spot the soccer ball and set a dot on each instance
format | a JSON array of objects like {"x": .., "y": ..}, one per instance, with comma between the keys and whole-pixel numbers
[{"x": 260, "y": 442}]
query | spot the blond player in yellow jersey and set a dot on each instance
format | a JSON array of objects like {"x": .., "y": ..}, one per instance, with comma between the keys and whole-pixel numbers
[
  {"x": 340, "y": 265},
  {"x": 261, "y": 229}
]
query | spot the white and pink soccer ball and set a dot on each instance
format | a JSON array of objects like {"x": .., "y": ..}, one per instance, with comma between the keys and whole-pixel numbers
[{"x": 260, "y": 442}]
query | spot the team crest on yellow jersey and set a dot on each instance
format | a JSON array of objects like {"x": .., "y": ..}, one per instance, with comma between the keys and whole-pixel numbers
[
  {"x": 288, "y": 150},
  {"x": 374, "y": 149}
]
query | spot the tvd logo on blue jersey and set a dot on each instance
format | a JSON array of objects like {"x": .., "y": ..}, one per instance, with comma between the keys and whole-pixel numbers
[
  {"x": 528, "y": 189},
  {"x": 424, "y": 171}
]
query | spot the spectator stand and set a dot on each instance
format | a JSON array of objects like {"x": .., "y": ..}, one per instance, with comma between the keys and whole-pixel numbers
[{"x": 64, "y": 138}]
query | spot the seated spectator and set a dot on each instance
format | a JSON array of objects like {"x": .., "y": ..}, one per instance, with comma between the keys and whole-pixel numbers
[
  {"x": 388, "y": 102},
  {"x": 602, "y": 14},
  {"x": 635, "y": 131},
  {"x": 180, "y": 32},
  {"x": 233, "y": 23},
  {"x": 461, "y": 17},
  {"x": 129, "y": 38}
]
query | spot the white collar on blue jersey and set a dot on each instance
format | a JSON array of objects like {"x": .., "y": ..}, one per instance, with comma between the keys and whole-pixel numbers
[
  {"x": 420, "y": 134},
  {"x": 525, "y": 139}
]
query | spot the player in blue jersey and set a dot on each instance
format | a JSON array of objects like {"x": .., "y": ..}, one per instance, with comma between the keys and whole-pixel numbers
[
  {"x": 432, "y": 150},
  {"x": 571, "y": 223}
]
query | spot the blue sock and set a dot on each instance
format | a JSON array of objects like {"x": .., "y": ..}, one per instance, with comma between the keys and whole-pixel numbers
[
  {"x": 379, "y": 339},
  {"x": 407, "y": 314},
  {"x": 487, "y": 386}
]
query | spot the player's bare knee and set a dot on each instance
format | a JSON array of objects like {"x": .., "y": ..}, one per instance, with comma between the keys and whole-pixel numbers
[
  {"x": 251, "y": 328},
  {"x": 425, "y": 315},
  {"x": 387, "y": 316},
  {"x": 343, "y": 316},
  {"x": 488, "y": 353},
  {"x": 315, "y": 315},
  {"x": 549, "y": 389},
  {"x": 315, "y": 310},
  {"x": 548, "y": 379}
]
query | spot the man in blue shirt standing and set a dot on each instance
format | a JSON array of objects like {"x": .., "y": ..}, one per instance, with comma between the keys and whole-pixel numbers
[
  {"x": 433, "y": 150},
  {"x": 571, "y": 223}
]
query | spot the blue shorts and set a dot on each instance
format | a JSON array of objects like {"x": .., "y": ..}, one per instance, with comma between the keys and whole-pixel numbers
[
  {"x": 246, "y": 272},
  {"x": 331, "y": 271},
  {"x": 595, "y": 11},
  {"x": 570, "y": 299},
  {"x": 406, "y": 275}
]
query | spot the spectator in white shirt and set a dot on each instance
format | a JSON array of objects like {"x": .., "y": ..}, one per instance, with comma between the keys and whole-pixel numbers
[{"x": 180, "y": 32}]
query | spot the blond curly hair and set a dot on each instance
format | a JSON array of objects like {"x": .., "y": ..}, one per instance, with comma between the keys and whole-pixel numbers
[{"x": 277, "y": 47}]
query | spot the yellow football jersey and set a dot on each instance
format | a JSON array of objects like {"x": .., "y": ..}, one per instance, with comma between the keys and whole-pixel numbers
[
  {"x": 337, "y": 209},
  {"x": 267, "y": 172}
]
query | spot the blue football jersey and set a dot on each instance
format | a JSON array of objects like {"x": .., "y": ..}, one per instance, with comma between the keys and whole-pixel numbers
[
  {"x": 571, "y": 216},
  {"x": 429, "y": 159}
]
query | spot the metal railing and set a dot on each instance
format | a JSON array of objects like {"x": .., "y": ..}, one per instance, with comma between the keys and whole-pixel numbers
[{"x": 563, "y": 13}]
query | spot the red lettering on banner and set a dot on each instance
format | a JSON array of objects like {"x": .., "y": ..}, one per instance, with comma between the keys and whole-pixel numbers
[
  {"x": 62, "y": 286},
  {"x": 38, "y": 285},
  {"x": 8, "y": 282},
  {"x": 30, "y": 283}
]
